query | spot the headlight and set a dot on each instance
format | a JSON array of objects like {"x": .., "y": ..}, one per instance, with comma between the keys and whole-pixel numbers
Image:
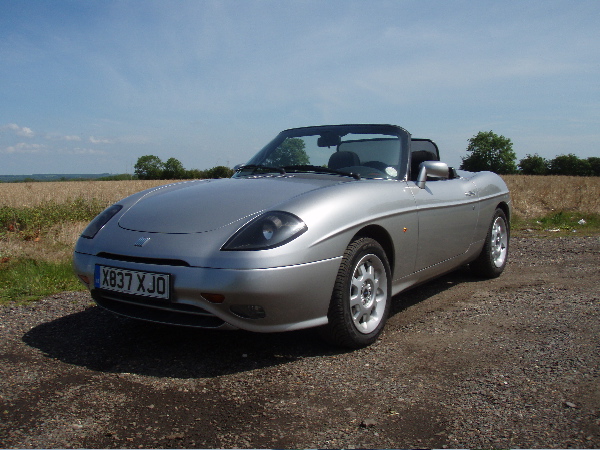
[
  {"x": 100, "y": 220},
  {"x": 268, "y": 230}
]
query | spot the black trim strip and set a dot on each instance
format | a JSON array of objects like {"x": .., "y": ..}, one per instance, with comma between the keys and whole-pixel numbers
[{"x": 144, "y": 260}]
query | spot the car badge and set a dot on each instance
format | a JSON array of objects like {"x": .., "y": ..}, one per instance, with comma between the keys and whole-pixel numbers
[{"x": 141, "y": 242}]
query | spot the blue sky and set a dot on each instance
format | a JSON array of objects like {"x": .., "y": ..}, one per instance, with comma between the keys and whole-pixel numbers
[{"x": 90, "y": 86}]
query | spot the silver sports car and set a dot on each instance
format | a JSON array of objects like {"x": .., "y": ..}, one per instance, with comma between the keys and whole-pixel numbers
[{"x": 319, "y": 229}]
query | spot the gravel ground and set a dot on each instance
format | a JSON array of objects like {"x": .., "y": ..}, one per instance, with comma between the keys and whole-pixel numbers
[{"x": 510, "y": 362}]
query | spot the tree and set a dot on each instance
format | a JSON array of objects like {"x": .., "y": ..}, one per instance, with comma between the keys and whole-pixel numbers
[
  {"x": 194, "y": 173},
  {"x": 218, "y": 172},
  {"x": 149, "y": 167},
  {"x": 533, "y": 165},
  {"x": 290, "y": 153},
  {"x": 173, "y": 170},
  {"x": 488, "y": 151},
  {"x": 570, "y": 165},
  {"x": 594, "y": 165}
]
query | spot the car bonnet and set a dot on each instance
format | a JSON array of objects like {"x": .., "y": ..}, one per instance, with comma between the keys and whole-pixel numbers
[{"x": 201, "y": 206}]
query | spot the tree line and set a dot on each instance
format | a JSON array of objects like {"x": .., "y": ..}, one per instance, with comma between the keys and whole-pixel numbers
[
  {"x": 486, "y": 151},
  {"x": 492, "y": 152},
  {"x": 151, "y": 167}
]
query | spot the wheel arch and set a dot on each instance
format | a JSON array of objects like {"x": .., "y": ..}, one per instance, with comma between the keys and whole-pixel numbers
[
  {"x": 504, "y": 207},
  {"x": 384, "y": 239}
]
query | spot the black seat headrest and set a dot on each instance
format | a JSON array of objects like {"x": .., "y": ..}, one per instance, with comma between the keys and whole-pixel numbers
[{"x": 343, "y": 159}]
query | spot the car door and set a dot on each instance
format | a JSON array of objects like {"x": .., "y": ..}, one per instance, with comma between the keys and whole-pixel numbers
[{"x": 447, "y": 215}]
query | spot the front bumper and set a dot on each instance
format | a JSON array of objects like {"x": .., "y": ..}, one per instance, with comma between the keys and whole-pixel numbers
[{"x": 293, "y": 297}]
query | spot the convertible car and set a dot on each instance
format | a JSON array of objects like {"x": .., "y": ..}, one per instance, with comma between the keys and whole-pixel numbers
[{"x": 319, "y": 229}]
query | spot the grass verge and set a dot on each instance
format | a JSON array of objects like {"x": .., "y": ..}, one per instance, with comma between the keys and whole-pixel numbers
[
  {"x": 32, "y": 222},
  {"x": 24, "y": 280},
  {"x": 557, "y": 224},
  {"x": 36, "y": 246}
]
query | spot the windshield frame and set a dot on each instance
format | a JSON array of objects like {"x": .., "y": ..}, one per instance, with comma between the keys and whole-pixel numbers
[{"x": 341, "y": 130}]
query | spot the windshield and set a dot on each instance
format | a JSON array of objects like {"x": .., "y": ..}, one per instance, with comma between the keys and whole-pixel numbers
[{"x": 361, "y": 151}]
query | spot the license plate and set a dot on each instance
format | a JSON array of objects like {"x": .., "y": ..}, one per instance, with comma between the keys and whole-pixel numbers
[{"x": 148, "y": 284}]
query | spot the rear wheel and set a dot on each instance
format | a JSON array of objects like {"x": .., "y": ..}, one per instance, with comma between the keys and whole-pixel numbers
[
  {"x": 492, "y": 260},
  {"x": 361, "y": 298}
]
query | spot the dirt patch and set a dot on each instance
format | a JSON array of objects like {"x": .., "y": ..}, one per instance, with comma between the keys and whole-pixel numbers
[{"x": 510, "y": 362}]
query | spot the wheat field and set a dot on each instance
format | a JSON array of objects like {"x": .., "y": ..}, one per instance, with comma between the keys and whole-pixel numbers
[
  {"x": 533, "y": 196},
  {"x": 56, "y": 244},
  {"x": 24, "y": 195}
]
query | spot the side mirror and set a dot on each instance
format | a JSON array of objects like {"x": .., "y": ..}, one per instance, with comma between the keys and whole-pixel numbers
[{"x": 432, "y": 169}]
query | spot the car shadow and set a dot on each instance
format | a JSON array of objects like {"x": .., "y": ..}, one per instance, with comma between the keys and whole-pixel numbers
[
  {"x": 102, "y": 341},
  {"x": 415, "y": 295}
]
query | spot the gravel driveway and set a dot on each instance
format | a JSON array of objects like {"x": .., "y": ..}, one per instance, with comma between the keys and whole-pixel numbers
[{"x": 511, "y": 362}]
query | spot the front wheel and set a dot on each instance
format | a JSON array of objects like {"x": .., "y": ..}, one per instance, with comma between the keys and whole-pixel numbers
[
  {"x": 492, "y": 260},
  {"x": 361, "y": 298}
]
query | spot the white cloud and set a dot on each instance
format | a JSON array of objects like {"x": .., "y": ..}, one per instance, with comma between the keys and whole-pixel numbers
[
  {"x": 27, "y": 132},
  {"x": 23, "y": 147},
  {"x": 72, "y": 138},
  {"x": 60, "y": 137},
  {"x": 134, "y": 139},
  {"x": 95, "y": 140},
  {"x": 19, "y": 131},
  {"x": 81, "y": 151}
]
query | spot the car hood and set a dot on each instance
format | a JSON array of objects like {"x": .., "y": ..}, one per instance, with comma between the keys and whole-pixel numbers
[{"x": 201, "y": 206}]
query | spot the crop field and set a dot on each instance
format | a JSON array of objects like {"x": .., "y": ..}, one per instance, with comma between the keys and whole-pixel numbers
[
  {"x": 532, "y": 195},
  {"x": 536, "y": 196},
  {"x": 40, "y": 222},
  {"x": 24, "y": 195}
]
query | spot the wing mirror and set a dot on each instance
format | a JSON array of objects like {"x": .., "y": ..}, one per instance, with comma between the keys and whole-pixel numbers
[{"x": 432, "y": 169}]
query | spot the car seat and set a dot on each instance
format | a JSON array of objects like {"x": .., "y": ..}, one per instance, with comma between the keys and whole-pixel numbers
[{"x": 342, "y": 159}]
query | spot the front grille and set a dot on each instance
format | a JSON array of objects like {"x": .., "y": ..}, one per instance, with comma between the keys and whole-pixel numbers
[
  {"x": 156, "y": 310},
  {"x": 142, "y": 260}
]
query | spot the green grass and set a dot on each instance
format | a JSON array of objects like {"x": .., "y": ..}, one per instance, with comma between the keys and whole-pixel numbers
[
  {"x": 31, "y": 222},
  {"x": 559, "y": 223},
  {"x": 24, "y": 280}
]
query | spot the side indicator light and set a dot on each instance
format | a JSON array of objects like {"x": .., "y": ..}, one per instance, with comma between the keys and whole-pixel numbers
[{"x": 214, "y": 298}]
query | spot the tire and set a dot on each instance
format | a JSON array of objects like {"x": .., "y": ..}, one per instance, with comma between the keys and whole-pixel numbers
[
  {"x": 361, "y": 298},
  {"x": 493, "y": 257}
]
